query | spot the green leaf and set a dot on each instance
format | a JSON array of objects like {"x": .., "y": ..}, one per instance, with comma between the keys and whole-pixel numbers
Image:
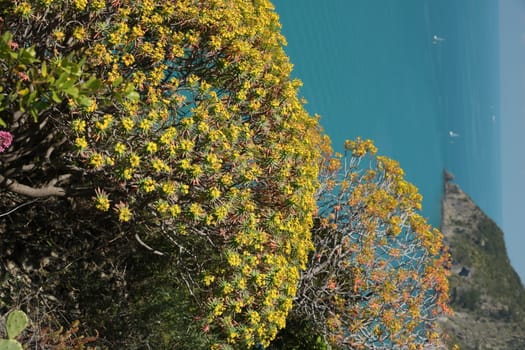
[
  {"x": 40, "y": 105},
  {"x": 132, "y": 95},
  {"x": 32, "y": 96},
  {"x": 16, "y": 322},
  {"x": 34, "y": 114},
  {"x": 117, "y": 82},
  {"x": 58, "y": 83},
  {"x": 84, "y": 101},
  {"x": 10, "y": 344},
  {"x": 44, "y": 70},
  {"x": 55, "y": 97},
  {"x": 92, "y": 84},
  {"x": 27, "y": 56},
  {"x": 23, "y": 92},
  {"x": 7, "y": 37},
  {"x": 71, "y": 91},
  {"x": 2, "y": 123}
]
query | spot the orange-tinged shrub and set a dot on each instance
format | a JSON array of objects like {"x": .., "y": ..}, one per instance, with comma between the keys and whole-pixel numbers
[{"x": 377, "y": 277}]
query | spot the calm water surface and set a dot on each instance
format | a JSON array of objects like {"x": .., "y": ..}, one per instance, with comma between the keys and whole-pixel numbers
[{"x": 371, "y": 68}]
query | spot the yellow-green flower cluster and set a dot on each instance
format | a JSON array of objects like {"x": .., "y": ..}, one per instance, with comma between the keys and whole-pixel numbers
[{"x": 197, "y": 124}]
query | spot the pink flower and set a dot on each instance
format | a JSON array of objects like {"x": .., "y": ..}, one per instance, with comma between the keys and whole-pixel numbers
[{"x": 5, "y": 140}]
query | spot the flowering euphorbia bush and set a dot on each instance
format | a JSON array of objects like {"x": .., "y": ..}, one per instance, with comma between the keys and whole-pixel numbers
[
  {"x": 378, "y": 276},
  {"x": 179, "y": 120}
]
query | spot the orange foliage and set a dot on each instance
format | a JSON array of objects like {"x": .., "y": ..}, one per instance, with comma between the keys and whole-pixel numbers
[{"x": 378, "y": 278}]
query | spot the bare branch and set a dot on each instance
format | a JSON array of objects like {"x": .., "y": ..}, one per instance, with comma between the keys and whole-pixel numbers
[
  {"x": 52, "y": 148},
  {"x": 137, "y": 237},
  {"x": 49, "y": 190}
]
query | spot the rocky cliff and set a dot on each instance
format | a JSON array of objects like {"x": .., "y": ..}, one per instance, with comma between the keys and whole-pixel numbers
[{"x": 486, "y": 293}]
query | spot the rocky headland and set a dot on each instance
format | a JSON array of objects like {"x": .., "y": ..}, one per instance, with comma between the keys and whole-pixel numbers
[{"x": 486, "y": 293}]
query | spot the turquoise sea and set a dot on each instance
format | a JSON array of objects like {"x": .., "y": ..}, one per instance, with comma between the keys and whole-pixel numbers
[{"x": 371, "y": 68}]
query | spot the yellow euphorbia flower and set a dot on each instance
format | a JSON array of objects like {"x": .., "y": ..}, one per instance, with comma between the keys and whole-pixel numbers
[
  {"x": 124, "y": 213},
  {"x": 102, "y": 201},
  {"x": 81, "y": 143}
]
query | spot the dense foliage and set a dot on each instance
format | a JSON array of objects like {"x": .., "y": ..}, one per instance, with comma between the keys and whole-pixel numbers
[
  {"x": 180, "y": 120},
  {"x": 168, "y": 155},
  {"x": 377, "y": 278}
]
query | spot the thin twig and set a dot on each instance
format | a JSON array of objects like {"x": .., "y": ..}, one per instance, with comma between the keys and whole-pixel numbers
[
  {"x": 147, "y": 246},
  {"x": 18, "y": 207}
]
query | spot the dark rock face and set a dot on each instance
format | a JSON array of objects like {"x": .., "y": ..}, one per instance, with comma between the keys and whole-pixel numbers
[
  {"x": 464, "y": 272},
  {"x": 486, "y": 293}
]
